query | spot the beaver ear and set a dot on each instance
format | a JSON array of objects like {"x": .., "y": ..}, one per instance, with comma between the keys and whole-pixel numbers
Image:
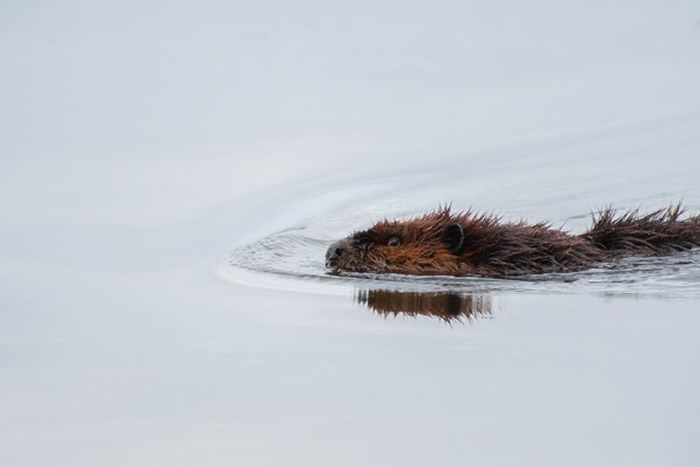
[{"x": 454, "y": 238}]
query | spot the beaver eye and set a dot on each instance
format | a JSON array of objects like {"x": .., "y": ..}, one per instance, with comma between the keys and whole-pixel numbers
[{"x": 394, "y": 240}]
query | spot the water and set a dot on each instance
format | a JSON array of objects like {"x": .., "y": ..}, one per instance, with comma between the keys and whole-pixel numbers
[{"x": 170, "y": 181}]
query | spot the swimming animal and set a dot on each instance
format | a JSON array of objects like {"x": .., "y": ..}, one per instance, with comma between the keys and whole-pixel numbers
[{"x": 465, "y": 243}]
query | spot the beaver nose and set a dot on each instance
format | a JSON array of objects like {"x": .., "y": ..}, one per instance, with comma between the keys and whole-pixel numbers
[{"x": 336, "y": 250}]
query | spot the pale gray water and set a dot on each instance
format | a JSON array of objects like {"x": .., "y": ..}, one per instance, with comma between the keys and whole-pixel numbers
[{"x": 170, "y": 179}]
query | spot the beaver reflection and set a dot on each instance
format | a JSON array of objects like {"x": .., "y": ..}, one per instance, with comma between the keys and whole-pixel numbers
[{"x": 447, "y": 306}]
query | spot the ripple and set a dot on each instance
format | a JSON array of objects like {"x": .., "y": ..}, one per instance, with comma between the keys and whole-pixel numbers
[{"x": 559, "y": 183}]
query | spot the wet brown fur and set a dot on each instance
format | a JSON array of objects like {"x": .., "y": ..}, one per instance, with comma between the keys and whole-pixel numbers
[{"x": 494, "y": 248}]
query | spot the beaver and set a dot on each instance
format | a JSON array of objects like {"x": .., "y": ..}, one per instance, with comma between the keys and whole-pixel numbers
[{"x": 470, "y": 244}]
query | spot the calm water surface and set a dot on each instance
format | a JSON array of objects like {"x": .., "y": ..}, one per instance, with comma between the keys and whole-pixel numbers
[{"x": 170, "y": 181}]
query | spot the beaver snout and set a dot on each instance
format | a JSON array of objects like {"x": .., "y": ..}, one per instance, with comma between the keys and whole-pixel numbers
[{"x": 337, "y": 251}]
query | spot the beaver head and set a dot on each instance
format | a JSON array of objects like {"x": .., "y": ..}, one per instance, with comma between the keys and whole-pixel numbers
[{"x": 430, "y": 244}]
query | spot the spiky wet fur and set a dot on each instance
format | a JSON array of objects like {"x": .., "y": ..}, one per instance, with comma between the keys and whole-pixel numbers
[{"x": 498, "y": 249}]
